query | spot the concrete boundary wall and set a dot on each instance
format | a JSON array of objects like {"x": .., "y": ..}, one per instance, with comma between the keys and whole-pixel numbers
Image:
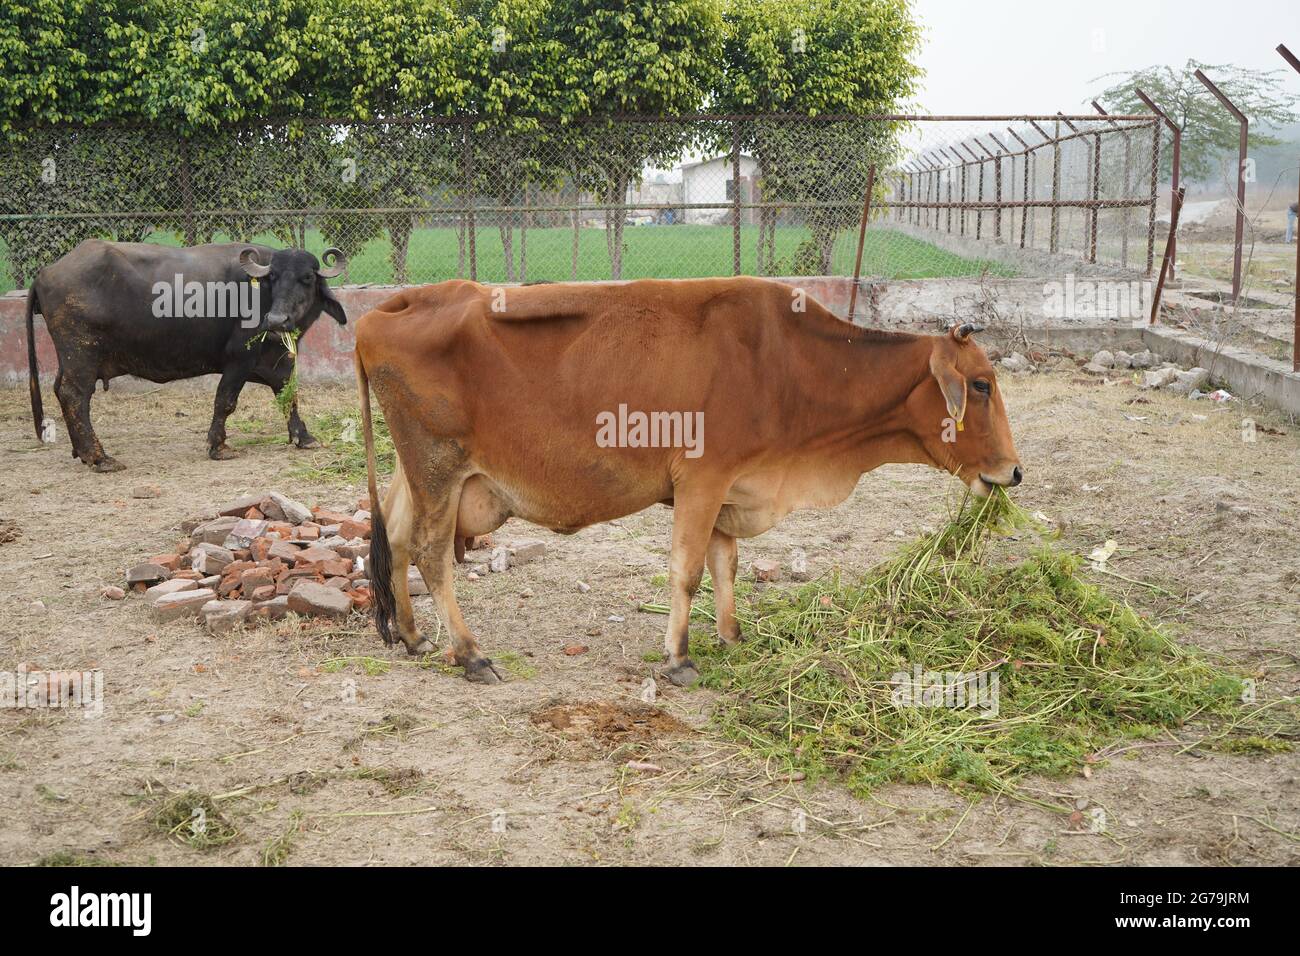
[{"x": 921, "y": 305}]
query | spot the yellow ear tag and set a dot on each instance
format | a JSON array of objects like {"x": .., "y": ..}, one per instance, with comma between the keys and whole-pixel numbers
[
  {"x": 253, "y": 282},
  {"x": 959, "y": 426}
]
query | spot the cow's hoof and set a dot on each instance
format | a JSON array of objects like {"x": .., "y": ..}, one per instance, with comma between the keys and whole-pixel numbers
[
  {"x": 424, "y": 647},
  {"x": 307, "y": 442},
  {"x": 731, "y": 639},
  {"x": 222, "y": 453},
  {"x": 481, "y": 671},
  {"x": 105, "y": 465},
  {"x": 684, "y": 674}
]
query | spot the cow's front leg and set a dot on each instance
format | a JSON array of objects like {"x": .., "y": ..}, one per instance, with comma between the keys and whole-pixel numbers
[
  {"x": 228, "y": 389},
  {"x": 693, "y": 517}
]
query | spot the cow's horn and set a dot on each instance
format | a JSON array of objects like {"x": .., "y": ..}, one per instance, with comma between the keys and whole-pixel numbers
[
  {"x": 966, "y": 330},
  {"x": 248, "y": 259},
  {"x": 335, "y": 262}
]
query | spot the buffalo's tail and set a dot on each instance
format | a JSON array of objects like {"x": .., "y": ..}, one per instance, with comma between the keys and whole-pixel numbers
[{"x": 381, "y": 555}]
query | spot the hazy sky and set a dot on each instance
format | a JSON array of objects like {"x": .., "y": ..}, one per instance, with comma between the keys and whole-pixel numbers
[{"x": 1016, "y": 56}]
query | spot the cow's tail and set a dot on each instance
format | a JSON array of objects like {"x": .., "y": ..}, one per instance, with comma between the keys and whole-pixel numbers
[
  {"x": 33, "y": 369},
  {"x": 381, "y": 555}
]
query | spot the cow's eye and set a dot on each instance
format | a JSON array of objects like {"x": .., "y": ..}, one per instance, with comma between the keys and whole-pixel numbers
[{"x": 982, "y": 386}]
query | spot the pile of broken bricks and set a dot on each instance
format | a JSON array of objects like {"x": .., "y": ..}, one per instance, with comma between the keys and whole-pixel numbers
[{"x": 260, "y": 557}]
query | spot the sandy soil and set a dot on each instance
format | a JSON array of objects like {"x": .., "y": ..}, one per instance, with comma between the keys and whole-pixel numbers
[{"x": 383, "y": 761}]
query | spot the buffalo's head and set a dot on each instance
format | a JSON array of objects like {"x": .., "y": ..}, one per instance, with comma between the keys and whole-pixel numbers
[
  {"x": 960, "y": 419},
  {"x": 293, "y": 288}
]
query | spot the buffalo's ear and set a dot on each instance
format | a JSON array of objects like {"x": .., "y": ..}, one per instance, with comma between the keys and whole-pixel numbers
[
  {"x": 951, "y": 382},
  {"x": 331, "y": 306}
]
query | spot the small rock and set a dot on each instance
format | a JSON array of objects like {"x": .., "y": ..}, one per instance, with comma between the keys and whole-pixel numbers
[
  {"x": 615, "y": 618},
  {"x": 213, "y": 532},
  {"x": 221, "y": 617},
  {"x": 169, "y": 607},
  {"x": 1143, "y": 359},
  {"x": 573, "y": 650},
  {"x": 765, "y": 570},
  {"x": 169, "y": 587},
  {"x": 113, "y": 593},
  {"x": 292, "y": 511},
  {"x": 799, "y": 565},
  {"x": 1158, "y": 378},
  {"x": 147, "y": 574},
  {"x": 240, "y": 506},
  {"x": 318, "y": 600},
  {"x": 583, "y": 587},
  {"x": 210, "y": 558},
  {"x": 471, "y": 576},
  {"x": 274, "y": 609},
  {"x": 526, "y": 550},
  {"x": 146, "y": 491},
  {"x": 1103, "y": 358},
  {"x": 1194, "y": 379},
  {"x": 1122, "y": 359},
  {"x": 1015, "y": 362},
  {"x": 500, "y": 560},
  {"x": 526, "y": 593}
]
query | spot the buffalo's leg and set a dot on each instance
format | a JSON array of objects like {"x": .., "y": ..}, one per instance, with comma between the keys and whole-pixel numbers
[
  {"x": 228, "y": 389},
  {"x": 74, "y": 388},
  {"x": 693, "y": 518},
  {"x": 276, "y": 378},
  {"x": 722, "y": 568}
]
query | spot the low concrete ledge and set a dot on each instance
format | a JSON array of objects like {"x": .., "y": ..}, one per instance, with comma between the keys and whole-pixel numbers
[{"x": 1247, "y": 374}]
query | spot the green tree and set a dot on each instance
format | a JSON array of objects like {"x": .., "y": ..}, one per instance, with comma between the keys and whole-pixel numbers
[
  {"x": 653, "y": 57},
  {"x": 817, "y": 57},
  {"x": 1209, "y": 130}
]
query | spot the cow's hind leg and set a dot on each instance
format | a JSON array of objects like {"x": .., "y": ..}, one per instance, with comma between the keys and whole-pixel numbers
[
  {"x": 722, "y": 568},
  {"x": 399, "y": 525},
  {"x": 694, "y": 513},
  {"x": 74, "y": 388},
  {"x": 434, "y": 554}
]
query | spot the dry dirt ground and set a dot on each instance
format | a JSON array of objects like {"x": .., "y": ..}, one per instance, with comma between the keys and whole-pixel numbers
[{"x": 320, "y": 746}]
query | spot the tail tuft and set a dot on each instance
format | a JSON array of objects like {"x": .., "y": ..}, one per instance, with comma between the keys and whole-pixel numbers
[{"x": 381, "y": 575}]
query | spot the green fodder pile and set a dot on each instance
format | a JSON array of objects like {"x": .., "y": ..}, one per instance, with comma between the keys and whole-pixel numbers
[{"x": 865, "y": 681}]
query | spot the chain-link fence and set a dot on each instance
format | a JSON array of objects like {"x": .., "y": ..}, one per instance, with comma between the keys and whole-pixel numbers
[
  {"x": 1037, "y": 194},
  {"x": 422, "y": 200}
]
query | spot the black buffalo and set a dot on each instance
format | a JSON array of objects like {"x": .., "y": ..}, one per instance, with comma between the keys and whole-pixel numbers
[{"x": 163, "y": 313}]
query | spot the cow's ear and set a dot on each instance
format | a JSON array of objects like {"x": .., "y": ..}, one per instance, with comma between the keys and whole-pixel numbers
[
  {"x": 332, "y": 306},
  {"x": 951, "y": 382}
]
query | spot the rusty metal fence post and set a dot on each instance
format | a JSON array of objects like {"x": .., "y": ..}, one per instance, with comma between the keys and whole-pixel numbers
[
  {"x": 1177, "y": 163},
  {"x": 862, "y": 236},
  {"x": 1243, "y": 136},
  {"x": 1295, "y": 334}
]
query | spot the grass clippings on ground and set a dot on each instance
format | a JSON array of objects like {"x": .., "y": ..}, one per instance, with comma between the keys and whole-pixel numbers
[{"x": 1053, "y": 669}]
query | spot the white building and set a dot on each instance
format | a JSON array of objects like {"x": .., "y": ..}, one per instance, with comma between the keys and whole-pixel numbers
[{"x": 710, "y": 181}]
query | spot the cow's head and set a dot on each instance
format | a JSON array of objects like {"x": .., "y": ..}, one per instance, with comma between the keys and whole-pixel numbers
[
  {"x": 294, "y": 287},
  {"x": 958, "y": 415}
]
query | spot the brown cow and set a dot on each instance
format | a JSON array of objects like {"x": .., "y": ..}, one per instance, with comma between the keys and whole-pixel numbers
[{"x": 495, "y": 398}]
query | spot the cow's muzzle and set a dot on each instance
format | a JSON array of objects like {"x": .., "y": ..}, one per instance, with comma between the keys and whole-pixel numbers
[
  {"x": 276, "y": 321},
  {"x": 1009, "y": 478}
]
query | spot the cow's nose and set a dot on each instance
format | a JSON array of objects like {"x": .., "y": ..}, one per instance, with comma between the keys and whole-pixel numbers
[
  {"x": 1017, "y": 475},
  {"x": 276, "y": 320}
]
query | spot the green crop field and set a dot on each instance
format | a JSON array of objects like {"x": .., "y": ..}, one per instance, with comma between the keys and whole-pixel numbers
[{"x": 666, "y": 252}]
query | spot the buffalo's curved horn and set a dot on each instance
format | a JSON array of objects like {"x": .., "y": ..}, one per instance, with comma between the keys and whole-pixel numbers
[
  {"x": 966, "y": 330},
  {"x": 248, "y": 259},
  {"x": 335, "y": 262}
]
